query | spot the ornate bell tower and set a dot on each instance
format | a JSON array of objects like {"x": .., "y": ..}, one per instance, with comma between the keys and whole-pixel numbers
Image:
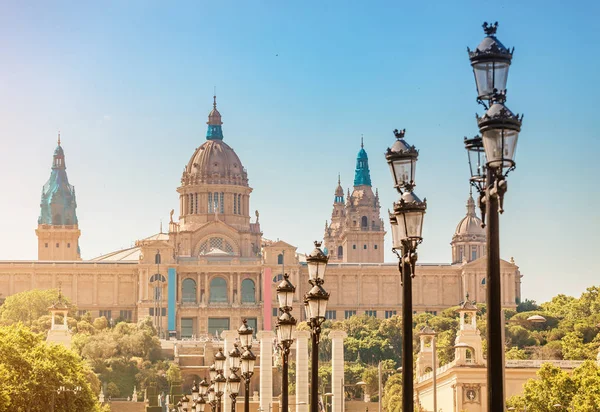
[
  {"x": 362, "y": 237},
  {"x": 58, "y": 231}
]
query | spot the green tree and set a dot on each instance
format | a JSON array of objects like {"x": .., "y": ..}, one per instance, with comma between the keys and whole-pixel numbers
[
  {"x": 29, "y": 306},
  {"x": 32, "y": 370},
  {"x": 392, "y": 394},
  {"x": 173, "y": 373},
  {"x": 579, "y": 391}
]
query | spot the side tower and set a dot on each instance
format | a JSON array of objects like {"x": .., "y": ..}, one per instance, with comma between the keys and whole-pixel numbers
[
  {"x": 362, "y": 237},
  {"x": 469, "y": 239},
  {"x": 58, "y": 232},
  {"x": 334, "y": 230}
]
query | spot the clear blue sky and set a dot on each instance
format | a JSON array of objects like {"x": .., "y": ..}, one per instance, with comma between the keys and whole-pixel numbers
[{"x": 130, "y": 83}]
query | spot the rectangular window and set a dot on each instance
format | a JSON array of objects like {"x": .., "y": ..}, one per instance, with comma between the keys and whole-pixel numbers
[
  {"x": 210, "y": 203},
  {"x": 353, "y": 246},
  {"x": 216, "y": 201},
  {"x": 187, "y": 327},
  {"x": 68, "y": 245},
  {"x": 217, "y": 325},
  {"x": 349, "y": 313},
  {"x": 106, "y": 313},
  {"x": 239, "y": 204},
  {"x": 390, "y": 313},
  {"x": 192, "y": 204},
  {"x": 151, "y": 311},
  {"x": 164, "y": 312},
  {"x": 375, "y": 246},
  {"x": 81, "y": 313},
  {"x": 461, "y": 253},
  {"x": 234, "y": 205},
  {"x": 126, "y": 315},
  {"x": 473, "y": 252},
  {"x": 222, "y": 202},
  {"x": 58, "y": 245},
  {"x": 372, "y": 313},
  {"x": 46, "y": 245},
  {"x": 364, "y": 246},
  {"x": 275, "y": 312},
  {"x": 330, "y": 314}
]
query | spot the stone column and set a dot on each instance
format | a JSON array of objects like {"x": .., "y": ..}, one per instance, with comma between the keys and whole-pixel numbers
[
  {"x": 302, "y": 370},
  {"x": 266, "y": 369},
  {"x": 337, "y": 369},
  {"x": 229, "y": 337}
]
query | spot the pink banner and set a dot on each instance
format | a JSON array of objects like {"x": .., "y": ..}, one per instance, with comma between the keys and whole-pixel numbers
[{"x": 267, "y": 299}]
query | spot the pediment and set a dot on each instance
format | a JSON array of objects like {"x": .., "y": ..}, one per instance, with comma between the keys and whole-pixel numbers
[
  {"x": 481, "y": 263},
  {"x": 280, "y": 244}
]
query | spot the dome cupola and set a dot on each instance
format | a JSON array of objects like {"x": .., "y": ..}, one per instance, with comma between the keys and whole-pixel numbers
[
  {"x": 468, "y": 241},
  {"x": 214, "y": 162}
]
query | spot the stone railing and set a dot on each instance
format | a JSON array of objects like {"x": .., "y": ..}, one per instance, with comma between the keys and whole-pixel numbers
[{"x": 537, "y": 363}]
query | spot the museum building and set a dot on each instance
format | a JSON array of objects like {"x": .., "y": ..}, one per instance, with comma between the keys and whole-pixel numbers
[{"x": 213, "y": 267}]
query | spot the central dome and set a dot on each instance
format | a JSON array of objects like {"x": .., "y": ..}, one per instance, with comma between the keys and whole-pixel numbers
[
  {"x": 215, "y": 162},
  {"x": 470, "y": 225}
]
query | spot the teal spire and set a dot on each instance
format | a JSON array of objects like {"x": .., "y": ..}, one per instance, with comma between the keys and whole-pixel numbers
[
  {"x": 58, "y": 202},
  {"x": 215, "y": 132},
  {"x": 362, "y": 176}
]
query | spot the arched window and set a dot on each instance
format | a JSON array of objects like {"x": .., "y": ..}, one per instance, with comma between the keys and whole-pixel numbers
[
  {"x": 340, "y": 251},
  {"x": 428, "y": 369},
  {"x": 364, "y": 222},
  {"x": 218, "y": 290},
  {"x": 468, "y": 355},
  {"x": 280, "y": 259},
  {"x": 188, "y": 290},
  {"x": 248, "y": 291}
]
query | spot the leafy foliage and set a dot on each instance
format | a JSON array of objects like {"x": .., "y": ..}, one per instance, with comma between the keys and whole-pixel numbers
[{"x": 31, "y": 371}]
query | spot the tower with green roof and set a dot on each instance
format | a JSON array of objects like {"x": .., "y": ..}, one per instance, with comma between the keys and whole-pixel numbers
[{"x": 58, "y": 231}]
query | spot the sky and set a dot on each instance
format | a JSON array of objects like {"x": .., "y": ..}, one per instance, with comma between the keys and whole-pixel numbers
[{"x": 130, "y": 84}]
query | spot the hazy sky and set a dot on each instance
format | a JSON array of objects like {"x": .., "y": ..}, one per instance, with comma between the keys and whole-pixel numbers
[{"x": 130, "y": 84}]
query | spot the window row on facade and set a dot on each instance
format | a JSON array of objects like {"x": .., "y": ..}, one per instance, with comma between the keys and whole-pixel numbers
[
  {"x": 189, "y": 326},
  {"x": 215, "y": 203},
  {"x": 217, "y": 291}
]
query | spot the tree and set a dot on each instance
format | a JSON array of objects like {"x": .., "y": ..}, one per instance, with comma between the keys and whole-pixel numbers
[
  {"x": 392, "y": 394},
  {"x": 173, "y": 373},
  {"x": 31, "y": 370},
  {"x": 527, "y": 306},
  {"x": 579, "y": 391},
  {"x": 29, "y": 306}
]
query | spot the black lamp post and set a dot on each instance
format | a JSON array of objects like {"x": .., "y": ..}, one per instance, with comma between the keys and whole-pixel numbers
[
  {"x": 315, "y": 304},
  {"x": 247, "y": 360},
  {"x": 491, "y": 158},
  {"x": 220, "y": 379},
  {"x": 286, "y": 326},
  {"x": 212, "y": 397},
  {"x": 233, "y": 382},
  {"x": 407, "y": 224}
]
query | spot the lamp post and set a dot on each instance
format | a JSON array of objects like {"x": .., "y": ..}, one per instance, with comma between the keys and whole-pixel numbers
[
  {"x": 247, "y": 360},
  {"x": 286, "y": 326},
  {"x": 212, "y": 397},
  {"x": 491, "y": 158},
  {"x": 220, "y": 379},
  {"x": 234, "y": 381},
  {"x": 407, "y": 225},
  {"x": 315, "y": 305}
]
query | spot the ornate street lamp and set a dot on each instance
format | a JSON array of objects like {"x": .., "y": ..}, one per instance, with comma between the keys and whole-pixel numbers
[
  {"x": 286, "y": 326},
  {"x": 499, "y": 129},
  {"x": 490, "y": 61},
  {"x": 195, "y": 391},
  {"x": 247, "y": 360},
  {"x": 407, "y": 225},
  {"x": 233, "y": 385},
  {"x": 212, "y": 397},
  {"x": 315, "y": 305},
  {"x": 185, "y": 402},
  {"x": 199, "y": 405}
]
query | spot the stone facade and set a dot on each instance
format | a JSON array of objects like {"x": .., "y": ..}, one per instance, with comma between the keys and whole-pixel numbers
[{"x": 213, "y": 267}]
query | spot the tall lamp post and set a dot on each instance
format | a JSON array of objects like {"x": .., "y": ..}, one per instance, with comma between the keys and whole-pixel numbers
[
  {"x": 247, "y": 360},
  {"x": 234, "y": 381},
  {"x": 407, "y": 224},
  {"x": 286, "y": 326},
  {"x": 220, "y": 380},
  {"x": 491, "y": 158},
  {"x": 315, "y": 305}
]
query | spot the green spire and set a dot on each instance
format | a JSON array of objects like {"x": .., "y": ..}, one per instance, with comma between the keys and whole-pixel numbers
[{"x": 362, "y": 175}]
